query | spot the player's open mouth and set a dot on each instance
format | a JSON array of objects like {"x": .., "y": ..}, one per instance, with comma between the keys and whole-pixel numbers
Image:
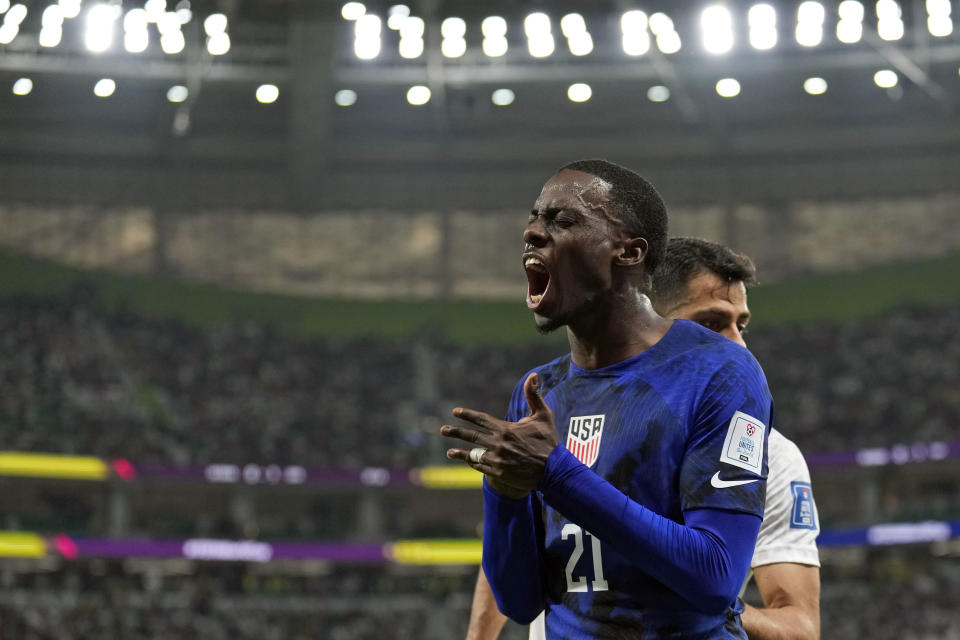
[{"x": 538, "y": 280}]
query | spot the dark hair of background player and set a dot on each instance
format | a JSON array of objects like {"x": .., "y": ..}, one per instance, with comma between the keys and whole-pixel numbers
[
  {"x": 687, "y": 257},
  {"x": 637, "y": 204}
]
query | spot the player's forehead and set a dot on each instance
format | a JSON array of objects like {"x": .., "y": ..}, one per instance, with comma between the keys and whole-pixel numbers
[
  {"x": 707, "y": 290},
  {"x": 568, "y": 186}
]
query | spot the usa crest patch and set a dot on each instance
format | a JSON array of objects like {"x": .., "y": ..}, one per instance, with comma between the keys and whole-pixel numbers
[{"x": 583, "y": 437}]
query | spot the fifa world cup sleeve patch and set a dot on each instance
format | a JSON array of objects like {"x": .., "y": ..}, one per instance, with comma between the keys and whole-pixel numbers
[
  {"x": 743, "y": 446},
  {"x": 803, "y": 515}
]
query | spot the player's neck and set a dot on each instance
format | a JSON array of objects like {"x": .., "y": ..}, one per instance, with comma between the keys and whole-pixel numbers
[{"x": 617, "y": 333}]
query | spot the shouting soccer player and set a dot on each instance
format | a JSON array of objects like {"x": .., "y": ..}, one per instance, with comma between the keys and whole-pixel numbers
[
  {"x": 624, "y": 492},
  {"x": 706, "y": 282}
]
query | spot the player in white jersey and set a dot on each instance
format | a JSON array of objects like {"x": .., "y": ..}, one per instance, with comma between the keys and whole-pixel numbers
[{"x": 707, "y": 283}]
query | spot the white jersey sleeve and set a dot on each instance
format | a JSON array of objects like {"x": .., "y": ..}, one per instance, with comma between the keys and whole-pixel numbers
[{"x": 790, "y": 521}]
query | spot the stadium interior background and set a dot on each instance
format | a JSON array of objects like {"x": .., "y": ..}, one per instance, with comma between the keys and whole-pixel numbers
[{"x": 253, "y": 251}]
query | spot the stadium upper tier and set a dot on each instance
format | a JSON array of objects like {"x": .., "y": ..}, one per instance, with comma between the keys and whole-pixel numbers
[{"x": 83, "y": 377}]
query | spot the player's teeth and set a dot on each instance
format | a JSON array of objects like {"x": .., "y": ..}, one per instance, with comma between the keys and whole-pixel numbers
[
  {"x": 536, "y": 298},
  {"x": 532, "y": 260}
]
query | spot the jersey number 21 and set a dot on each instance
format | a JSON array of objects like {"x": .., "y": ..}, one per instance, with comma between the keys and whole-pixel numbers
[{"x": 579, "y": 583}]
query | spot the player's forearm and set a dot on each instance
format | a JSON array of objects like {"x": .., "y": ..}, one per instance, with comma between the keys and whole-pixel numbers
[
  {"x": 512, "y": 558},
  {"x": 782, "y": 623},
  {"x": 705, "y": 562},
  {"x": 486, "y": 621}
]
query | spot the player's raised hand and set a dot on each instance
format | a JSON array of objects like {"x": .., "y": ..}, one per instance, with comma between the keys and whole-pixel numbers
[{"x": 511, "y": 454}]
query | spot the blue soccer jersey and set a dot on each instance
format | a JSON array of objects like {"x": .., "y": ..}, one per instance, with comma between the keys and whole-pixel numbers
[{"x": 646, "y": 518}]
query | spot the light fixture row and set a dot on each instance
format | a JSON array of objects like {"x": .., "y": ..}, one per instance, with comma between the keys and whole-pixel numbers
[
  {"x": 419, "y": 95},
  {"x": 639, "y": 30},
  {"x": 106, "y": 87},
  {"x": 100, "y": 21}
]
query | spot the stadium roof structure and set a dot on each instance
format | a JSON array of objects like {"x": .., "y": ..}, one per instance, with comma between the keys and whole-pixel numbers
[{"x": 307, "y": 104}]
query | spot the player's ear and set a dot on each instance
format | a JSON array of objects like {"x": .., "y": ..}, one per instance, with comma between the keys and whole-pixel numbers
[{"x": 632, "y": 252}]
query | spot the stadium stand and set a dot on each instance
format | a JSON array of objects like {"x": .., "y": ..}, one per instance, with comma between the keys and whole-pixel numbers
[{"x": 80, "y": 377}]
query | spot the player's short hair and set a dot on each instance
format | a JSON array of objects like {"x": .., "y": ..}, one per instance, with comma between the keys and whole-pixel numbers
[
  {"x": 689, "y": 257},
  {"x": 637, "y": 204}
]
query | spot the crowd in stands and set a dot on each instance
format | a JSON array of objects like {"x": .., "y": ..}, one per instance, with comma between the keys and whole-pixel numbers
[
  {"x": 81, "y": 377},
  {"x": 879, "y": 599}
]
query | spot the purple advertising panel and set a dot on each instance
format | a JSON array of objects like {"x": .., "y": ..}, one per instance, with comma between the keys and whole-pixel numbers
[{"x": 216, "y": 549}]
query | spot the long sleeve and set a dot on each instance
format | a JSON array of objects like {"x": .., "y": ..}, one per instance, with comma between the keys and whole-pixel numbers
[
  {"x": 513, "y": 555},
  {"x": 703, "y": 560}
]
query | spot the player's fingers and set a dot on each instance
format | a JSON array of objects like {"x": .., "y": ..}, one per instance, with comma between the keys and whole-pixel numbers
[
  {"x": 466, "y": 434},
  {"x": 478, "y": 418},
  {"x": 531, "y": 389},
  {"x": 486, "y": 465}
]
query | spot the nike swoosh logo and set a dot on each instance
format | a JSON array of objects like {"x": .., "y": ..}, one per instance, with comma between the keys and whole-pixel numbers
[{"x": 715, "y": 481}]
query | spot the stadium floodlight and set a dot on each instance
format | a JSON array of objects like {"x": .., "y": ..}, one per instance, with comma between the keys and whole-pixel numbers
[
  {"x": 658, "y": 93},
  {"x": 98, "y": 35},
  {"x": 495, "y": 46},
  {"x": 453, "y": 47},
  {"x": 396, "y": 15},
  {"x": 636, "y": 39},
  {"x": 8, "y": 32},
  {"x": 418, "y": 95},
  {"x": 218, "y": 44},
  {"x": 367, "y": 43},
  {"x": 172, "y": 42},
  {"x": 716, "y": 25},
  {"x": 815, "y": 86},
  {"x": 155, "y": 9},
  {"x": 184, "y": 12},
  {"x": 810, "y": 16},
  {"x": 70, "y": 8},
  {"x": 353, "y": 11},
  {"x": 453, "y": 31},
  {"x": 940, "y": 26},
  {"x": 4, "y": 5},
  {"x": 177, "y": 93},
  {"x": 411, "y": 37},
  {"x": 453, "y": 28},
  {"x": 536, "y": 24},
  {"x": 22, "y": 86},
  {"x": 762, "y": 19},
  {"x": 886, "y": 78},
  {"x": 668, "y": 40},
  {"x": 168, "y": 23},
  {"x": 579, "y": 92},
  {"x": 580, "y": 44},
  {"x": 939, "y": 22},
  {"x": 136, "y": 41},
  {"x": 572, "y": 24},
  {"x": 502, "y": 97},
  {"x": 850, "y": 25},
  {"x": 52, "y": 16},
  {"x": 15, "y": 15},
  {"x": 889, "y": 22},
  {"x": 50, "y": 36},
  {"x": 541, "y": 47},
  {"x": 135, "y": 20},
  {"x": 539, "y": 38},
  {"x": 346, "y": 97},
  {"x": 493, "y": 27},
  {"x": 412, "y": 27},
  {"x": 267, "y": 93},
  {"x": 410, "y": 48},
  {"x": 215, "y": 23},
  {"x": 574, "y": 28},
  {"x": 728, "y": 87},
  {"x": 669, "y": 43},
  {"x": 104, "y": 88}
]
